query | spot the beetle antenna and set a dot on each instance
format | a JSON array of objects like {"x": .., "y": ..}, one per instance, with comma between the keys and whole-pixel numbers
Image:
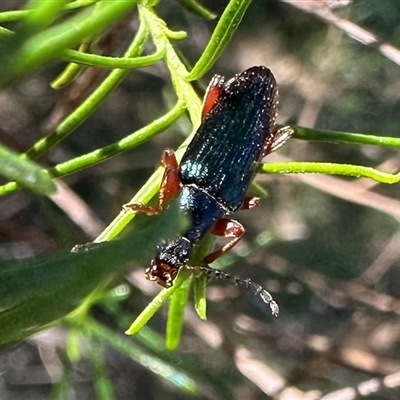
[{"x": 254, "y": 287}]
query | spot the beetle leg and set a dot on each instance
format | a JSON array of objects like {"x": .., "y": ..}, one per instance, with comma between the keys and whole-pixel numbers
[
  {"x": 250, "y": 202},
  {"x": 277, "y": 138},
  {"x": 169, "y": 189},
  {"x": 227, "y": 228}
]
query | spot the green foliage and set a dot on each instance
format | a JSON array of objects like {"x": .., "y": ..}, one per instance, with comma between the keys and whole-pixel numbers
[
  {"x": 25, "y": 172},
  {"x": 40, "y": 292}
]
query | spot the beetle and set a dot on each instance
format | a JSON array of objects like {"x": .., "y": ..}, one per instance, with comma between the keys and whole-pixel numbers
[{"x": 236, "y": 132}]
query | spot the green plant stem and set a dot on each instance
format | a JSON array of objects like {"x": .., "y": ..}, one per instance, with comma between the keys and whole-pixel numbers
[
  {"x": 226, "y": 27},
  {"x": 96, "y": 156},
  {"x": 184, "y": 90},
  {"x": 176, "y": 311},
  {"x": 134, "y": 351},
  {"x": 357, "y": 171},
  {"x": 13, "y": 166},
  {"x": 26, "y": 53},
  {"x": 80, "y": 3},
  {"x": 102, "y": 384},
  {"x": 304, "y": 133},
  {"x": 197, "y": 8},
  {"x": 5, "y": 33},
  {"x": 91, "y": 103},
  {"x": 94, "y": 60},
  {"x": 71, "y": 71},
  {"x": 156, "y": 303},
  {"x": 125, "y": 144},
  {"x": 42, "y": 14},
  {"x": 14, "y": 15}
]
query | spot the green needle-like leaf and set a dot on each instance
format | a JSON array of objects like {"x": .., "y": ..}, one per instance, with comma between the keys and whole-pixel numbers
[
  {"x": 25, "y": 52},
  {"x": 78, "y": 116},
  {"x": 167, "y": 370},
  {"x": 319, "y": 135},
  {"x": 95, "y": 60},
  {"x": 176, "y": 315},
  {"x": 71, "y": 71},
  {"x": 200, "y": 302},
  {"x": 156, "y": 303},
  {"x": 25, "y": 172},
  {"x": 357, "y": 171},
  {"x": 196, "y": 8},
  {"x": 37, "y": 292},
  {"x": 227, "y": 25}
]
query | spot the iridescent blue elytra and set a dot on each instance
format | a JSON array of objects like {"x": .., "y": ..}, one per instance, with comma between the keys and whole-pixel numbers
[
  {"x": 236, "y": 132},
  {"x": 223, "y": 155},
  {"x": 220, "y": 162}
]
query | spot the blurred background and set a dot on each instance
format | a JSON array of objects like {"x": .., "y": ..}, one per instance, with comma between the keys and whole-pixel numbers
[{"x": 327, "y": 248}]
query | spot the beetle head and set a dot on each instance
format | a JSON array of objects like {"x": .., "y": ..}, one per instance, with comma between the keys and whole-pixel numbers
[{"x": 170, "y": 257}]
